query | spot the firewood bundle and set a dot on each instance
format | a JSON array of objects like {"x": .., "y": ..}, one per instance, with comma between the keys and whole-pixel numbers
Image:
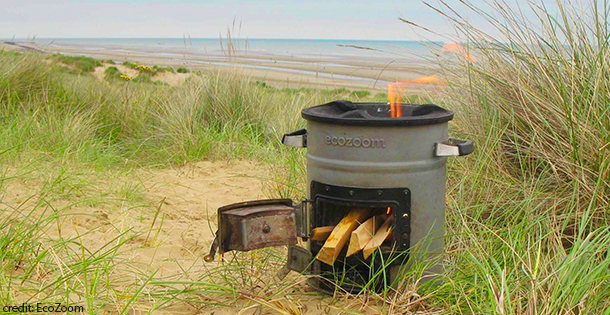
[{"x": 365, "y": 233}]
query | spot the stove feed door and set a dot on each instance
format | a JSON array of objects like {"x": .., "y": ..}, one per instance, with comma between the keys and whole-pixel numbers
[{"x": 256, "y": 224}]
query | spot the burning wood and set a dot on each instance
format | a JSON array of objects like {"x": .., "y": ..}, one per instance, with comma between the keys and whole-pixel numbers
[
  {"x": 382, "y": 234},
  {"x": 364, "y": 233},
  {"x": 321, "y": 233},
  {"x": 340, "y": 234}
]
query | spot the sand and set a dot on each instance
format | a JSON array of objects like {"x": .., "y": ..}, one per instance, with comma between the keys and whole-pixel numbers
[
  {"x": 188, "y": 198},
  {"x": 364, "y": 73},
  {"x": 173, "y": 245}
]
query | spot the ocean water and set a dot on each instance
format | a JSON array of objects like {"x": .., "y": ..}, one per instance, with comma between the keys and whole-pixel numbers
[{"x": 310, "y": 48}]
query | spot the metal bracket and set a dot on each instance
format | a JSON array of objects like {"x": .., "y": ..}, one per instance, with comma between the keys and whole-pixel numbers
[
  {"x": 453, "y": 147},
  {"x": 303, "y": 218},
  {"x": 299, "y": 259},
  {"x": 297, "y": 138}
]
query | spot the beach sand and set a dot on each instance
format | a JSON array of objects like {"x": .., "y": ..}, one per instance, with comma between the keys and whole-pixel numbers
[
  {"x": 173, "y": 244},
  {"x": 356, "y": 73}
]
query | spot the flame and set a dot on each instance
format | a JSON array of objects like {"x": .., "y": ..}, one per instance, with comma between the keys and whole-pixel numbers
[
  {"x": 396, "y": 89},
  {"x": 389, "y": 210},
  {"x": 395, "y": 100},
  {"x": 431, "y": 79},
  {"x": 456, "y": 48}
]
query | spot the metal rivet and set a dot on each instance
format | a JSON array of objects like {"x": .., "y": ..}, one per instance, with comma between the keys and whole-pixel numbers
[
  {"x": 405, "y": 215},
  {"x": 266, "y": 228},
  {"x": 327, "y": 188},
  {"x": 351, "y": 192},
  {"x": 406, "y": 191},
  {"x": 405, "y": 235},
  {"x": 379, "y": 192}
]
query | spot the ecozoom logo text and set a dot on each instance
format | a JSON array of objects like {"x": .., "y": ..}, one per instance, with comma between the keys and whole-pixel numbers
[{"x": 355, "y": 142}]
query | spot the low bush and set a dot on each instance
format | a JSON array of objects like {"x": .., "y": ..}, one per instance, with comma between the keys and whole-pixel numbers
[{"x": 84, "y": 64}]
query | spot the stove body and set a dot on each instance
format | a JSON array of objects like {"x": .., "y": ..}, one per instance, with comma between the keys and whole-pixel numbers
[{"x": 360, "y": 157}]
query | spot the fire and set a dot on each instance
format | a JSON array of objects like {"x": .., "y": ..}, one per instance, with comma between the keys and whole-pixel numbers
[
  {"x": 431, "y": 79},
  {"x": 396, "y": 89},
  {"x": 395, "y": 100},
  {"x": 456, "y": 48},
  {"x": 389, "y": 210}
]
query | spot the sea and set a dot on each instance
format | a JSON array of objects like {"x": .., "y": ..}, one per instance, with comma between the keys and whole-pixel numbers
[{"x": 309, "y": 48}]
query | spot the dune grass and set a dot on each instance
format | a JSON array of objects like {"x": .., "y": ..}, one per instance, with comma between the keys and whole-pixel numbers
[
  {"x": 82, "y": 63},
  {"x": 527, "y": 213},
  {"x": 54, "y": 117},
  {"x": 530, "y": 209}
]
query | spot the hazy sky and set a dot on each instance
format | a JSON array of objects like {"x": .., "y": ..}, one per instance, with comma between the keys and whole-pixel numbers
[{"x": 330, "y": 19}]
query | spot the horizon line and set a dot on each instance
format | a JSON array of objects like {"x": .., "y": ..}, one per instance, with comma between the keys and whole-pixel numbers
[{"x": 224, "y": 38}]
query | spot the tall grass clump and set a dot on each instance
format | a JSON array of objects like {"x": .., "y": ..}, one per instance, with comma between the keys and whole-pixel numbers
[
  {"x": 547, "y": 82},
  {"x": 528, "y": 213},
  {"x": 112, "y": 73},
  {"x": 61, "y": 114},
  {"x": 83, "y": 63}
]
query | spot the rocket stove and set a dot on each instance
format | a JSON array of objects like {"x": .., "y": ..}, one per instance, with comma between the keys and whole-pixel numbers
[{"x": 376, "y": 196}]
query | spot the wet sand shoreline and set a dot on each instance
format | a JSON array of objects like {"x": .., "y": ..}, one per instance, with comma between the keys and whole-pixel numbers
[{"x": 352, "y": 72}]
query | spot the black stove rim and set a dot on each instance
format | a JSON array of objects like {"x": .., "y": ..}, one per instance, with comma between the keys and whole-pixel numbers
[{"x": 343, "y": 112}]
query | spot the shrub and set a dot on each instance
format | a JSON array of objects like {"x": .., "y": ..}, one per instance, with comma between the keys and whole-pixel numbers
[
  {"x": 130, "y": 64},
  {"x": 163, "y": 69},
  {"x": 85, "y": 64},
  {"x": 146, "y": 69},
  {"x": 261, "y": 84},
  {"x": 360, "y": 94},
  {"x": 182, "y": 70},
  {"x": 112, "y": 73}
]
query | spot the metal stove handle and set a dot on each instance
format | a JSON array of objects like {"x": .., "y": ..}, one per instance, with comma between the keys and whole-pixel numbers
[
  {"x": 453, "y": 147},
  {"x": 297, "y": 138}
]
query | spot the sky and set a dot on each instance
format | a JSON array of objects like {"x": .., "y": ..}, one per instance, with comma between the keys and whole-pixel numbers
[{"x": 317, "y": 19}]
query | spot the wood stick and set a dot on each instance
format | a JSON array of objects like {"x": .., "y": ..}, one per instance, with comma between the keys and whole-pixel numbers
[
  {"x": 364, "y": 233},
  {"x": 321, "y": 233},
  {"x": 382, "y": 234},
  {"x": 339, "y": 236}
]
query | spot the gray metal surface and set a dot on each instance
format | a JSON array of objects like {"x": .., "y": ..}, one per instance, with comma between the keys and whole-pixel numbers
[{"x": 397, "y": 156}]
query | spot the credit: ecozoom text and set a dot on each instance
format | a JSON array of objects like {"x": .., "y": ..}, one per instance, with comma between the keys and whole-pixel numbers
[{"x": 42, "y": 308}]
